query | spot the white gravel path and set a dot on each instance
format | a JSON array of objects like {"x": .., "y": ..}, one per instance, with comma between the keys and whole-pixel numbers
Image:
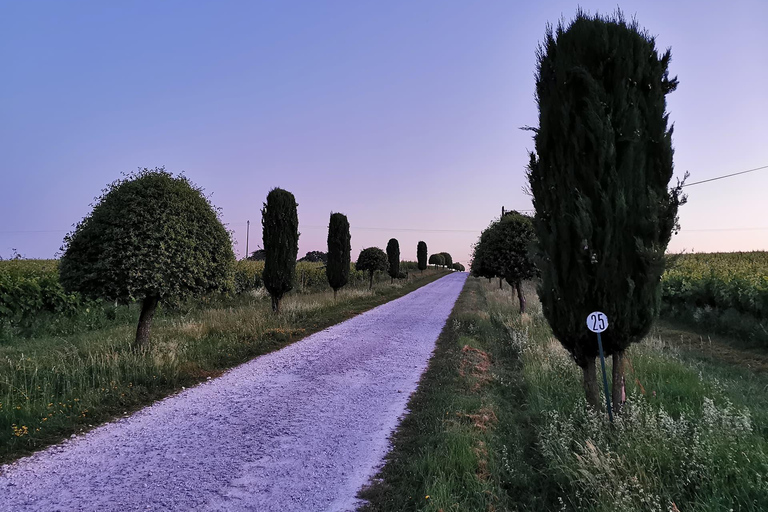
[{"x": 303, "y": 428}]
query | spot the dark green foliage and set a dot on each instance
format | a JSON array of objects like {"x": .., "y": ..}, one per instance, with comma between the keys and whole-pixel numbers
[
  {"x": 339, "y": 251},
  {"x": 371, "y": 260},
  {"x": 315, "y": 257},
  {"x": 151, "y": 236},
  {"x": 280, "y": 222},
  {"x": 458, "y": 266},
  {"x": 447, "y": 259},
  {"x": 29, "y": 287},
  {"x": 421, "y": 255},
  {"x": 258, "y": 255},
  {"x": 393, "y": 256},
  {"x": 482, "y": 265},
  {"x": 599, "y": 178},
  {"x": 247, "y": 276},
  {"x": 437, "y": 260}
]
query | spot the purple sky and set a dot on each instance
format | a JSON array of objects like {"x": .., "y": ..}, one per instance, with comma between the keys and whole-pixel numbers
[{"x": 402, "y": 115}]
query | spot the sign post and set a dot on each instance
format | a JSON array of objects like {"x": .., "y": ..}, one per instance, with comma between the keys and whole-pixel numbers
[{"x": 597, "y": 322}]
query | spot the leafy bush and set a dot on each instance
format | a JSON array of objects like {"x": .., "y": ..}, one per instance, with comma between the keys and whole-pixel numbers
[
  {"x": 28, "y": 287},
  {"x": 724, "y": 291},
  {"x": 248, "y": 275}
]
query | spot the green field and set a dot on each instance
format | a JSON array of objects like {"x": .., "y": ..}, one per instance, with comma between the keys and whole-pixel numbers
[
  {"x": 500, "y": 423},
  {"x": 720, "y": 292}
]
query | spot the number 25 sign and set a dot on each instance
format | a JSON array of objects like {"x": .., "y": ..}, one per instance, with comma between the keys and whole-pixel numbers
[{"x": 597, "y": 322}]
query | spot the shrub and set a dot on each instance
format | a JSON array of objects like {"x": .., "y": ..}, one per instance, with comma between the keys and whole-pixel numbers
[
  {"x": 280, "y": 223},
  {"x": 150, "y": 237}
]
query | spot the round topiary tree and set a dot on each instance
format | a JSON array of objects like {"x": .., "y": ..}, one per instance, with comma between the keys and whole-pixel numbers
[
  {"x": 280, "y": 223},
  {"x": 507, "y": 246},
  {"x": 393, "y": 256},
  {"x": 371, "y": 260},
  {"x": 481, "y": 265},
  {"x": 339, "y": 252},
  {"x": 421, "y": 255},
  {"x": 150, "y": 237},
  {"x": 437, "y": 260},
  {"x": 600, "y": 178},
  {"x": 447, "y": 260},
  {"x": 458, "y": 267}
]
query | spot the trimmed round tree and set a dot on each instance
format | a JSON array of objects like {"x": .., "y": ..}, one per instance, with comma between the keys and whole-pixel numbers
[
  {"x": 339, "y": 252},
  {"x": 371, "y": 260},
  {"x": 508, "y": 246},
  {"x": 437, "y": 260},
  {"x": 421, "y": 255},
  {"x": 280, "y": 223},
  {"x": 393, "y": 257},
  {"x": 458, "y": 266},
  {"x": 600, "y": 179},
  {"x": 447, "y": 260},
  {"x": 481, "y": 265},
  {"x": 150, "y": 237}
]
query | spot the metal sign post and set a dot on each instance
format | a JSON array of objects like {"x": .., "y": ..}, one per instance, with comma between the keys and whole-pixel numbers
[{"x": 597, "y": 322}]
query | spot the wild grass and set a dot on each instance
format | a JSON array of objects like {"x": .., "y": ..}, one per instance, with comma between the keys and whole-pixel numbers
[
  {"x": 52, "y": 386},
  {"x": 693, "y": 434}
]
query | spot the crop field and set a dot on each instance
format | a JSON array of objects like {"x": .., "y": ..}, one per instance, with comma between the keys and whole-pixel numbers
[
  {"x": 723, "y": 292},
  {"x": 67, "y": 364}
]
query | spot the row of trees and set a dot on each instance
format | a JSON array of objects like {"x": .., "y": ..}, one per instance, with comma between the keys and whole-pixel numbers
[{"x": 153, "y": 237}]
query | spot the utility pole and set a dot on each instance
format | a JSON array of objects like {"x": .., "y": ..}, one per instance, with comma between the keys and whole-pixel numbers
[{"x": 247, "y": 234}]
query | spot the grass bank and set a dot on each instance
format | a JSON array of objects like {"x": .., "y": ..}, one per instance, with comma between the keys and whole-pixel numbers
[
  {"x": 54, "y": 386},
  {"x": 499, "y": 423}
]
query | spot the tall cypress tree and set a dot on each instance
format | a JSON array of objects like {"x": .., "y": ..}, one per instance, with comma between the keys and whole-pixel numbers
[
  {"x": 600, "y": 178},
  {"x": 280, "y": 223},
  {"x": 393, "y": 255},
  {"x": 421, "y": 255},
  {"x": 339, "y": 252}
]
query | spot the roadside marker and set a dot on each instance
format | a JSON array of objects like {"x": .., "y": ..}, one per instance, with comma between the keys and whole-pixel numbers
[{"x": 597, "y": 322}]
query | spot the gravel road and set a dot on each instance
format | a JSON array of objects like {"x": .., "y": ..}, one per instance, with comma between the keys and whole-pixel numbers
[{"x": 303, "y": 428}]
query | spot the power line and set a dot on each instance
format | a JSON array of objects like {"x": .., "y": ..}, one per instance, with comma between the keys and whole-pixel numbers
[{"x": 726, "y": 176}]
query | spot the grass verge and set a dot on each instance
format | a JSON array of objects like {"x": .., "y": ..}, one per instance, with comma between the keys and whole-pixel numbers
[
  {"x": 54, "y": 386},
  {"x": 500, "y": 423}
]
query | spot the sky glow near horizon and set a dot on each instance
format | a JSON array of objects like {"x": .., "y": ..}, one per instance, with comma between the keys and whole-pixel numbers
[{"x": 403, "y": 116}]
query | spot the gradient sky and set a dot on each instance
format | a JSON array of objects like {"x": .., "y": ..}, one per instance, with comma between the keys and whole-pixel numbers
[{"x": 403, "y": 115}]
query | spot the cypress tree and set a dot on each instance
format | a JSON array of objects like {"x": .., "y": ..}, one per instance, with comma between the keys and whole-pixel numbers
[
  {"x": 280, "y": 223},
  {"x": 600, "y": 178},
  {"x": 393, "y": 255},
  {"x": 339, "y": 252},
  {"x": 421, "y": 255}
]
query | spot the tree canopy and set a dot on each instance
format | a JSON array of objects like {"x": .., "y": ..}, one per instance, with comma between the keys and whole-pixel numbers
[
  {"x": 371, "y": 260},
  {"x": 421, "y": 255},
  {"x": 151, "y": 236},
  {"x": 393, "y": 257}
]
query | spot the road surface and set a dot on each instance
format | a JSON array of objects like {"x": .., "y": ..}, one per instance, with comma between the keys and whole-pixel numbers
[{"x": 300, "y": 429}]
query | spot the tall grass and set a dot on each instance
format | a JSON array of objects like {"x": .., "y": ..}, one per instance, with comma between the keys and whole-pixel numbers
[
  {"x": 53, "y": 386},
  {"x": 693, "y": 435}
]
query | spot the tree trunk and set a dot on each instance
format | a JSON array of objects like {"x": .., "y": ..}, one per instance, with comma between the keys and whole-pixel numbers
[
  {"x": 275, "y": 304},
  {"x": 334, "y": 294},
  {"x": 520, "y": 296},
  {"x": 501, "y": 282},
  {"x": 617, "y": 392},
  {"x": 370, "y": 284},
  {"x": 148, "y": 307},
  {"x": 590, "y": 385},
  {"x": 489, "y": 280}
]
